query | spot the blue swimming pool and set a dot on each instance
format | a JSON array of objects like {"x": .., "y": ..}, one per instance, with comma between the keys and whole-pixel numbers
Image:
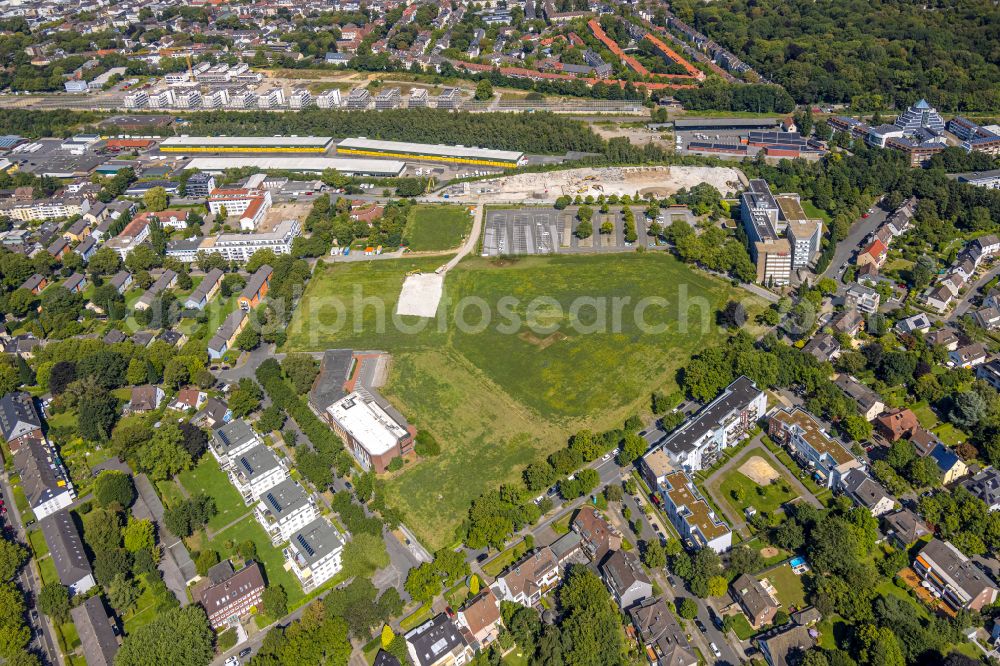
[{"x": 797, "y": 561}]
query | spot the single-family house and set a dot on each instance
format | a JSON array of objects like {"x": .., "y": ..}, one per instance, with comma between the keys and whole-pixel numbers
[
  {"x": 756, "y": 601},
  {"x": 867, "y": 492},
  {"x": 528, "y": 579}
]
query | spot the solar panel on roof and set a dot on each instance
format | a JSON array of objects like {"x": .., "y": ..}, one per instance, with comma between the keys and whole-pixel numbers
[
  {"x": 246, "y": 465},
  {"x": 273, "y": 501},
  {"x": 305, "y": 545}
]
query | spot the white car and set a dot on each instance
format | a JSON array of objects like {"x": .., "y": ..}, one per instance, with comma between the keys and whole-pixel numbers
[
  {"x": 232, "y": 660},
  {"x": 715, "y": 649},
  {"x": 606, "y": 457}
]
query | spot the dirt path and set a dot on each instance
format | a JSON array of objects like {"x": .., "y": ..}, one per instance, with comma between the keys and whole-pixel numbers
[{"x": 712, "y": 483}]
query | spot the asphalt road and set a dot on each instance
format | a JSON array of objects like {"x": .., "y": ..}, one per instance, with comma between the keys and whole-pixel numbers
[
  {"x": 847, "y": 248},
  {"x": 42, "y": 636},
  {"x": 963, "y": 305}
]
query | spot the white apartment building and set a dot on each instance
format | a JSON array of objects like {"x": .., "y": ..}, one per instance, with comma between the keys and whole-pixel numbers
[
  {"x": 46, "y": 209},
  {"x": 272, "y": 99},
  {"x": 299, "y": 99},
  {"x": 188, "y": 99},
  {"x": 176, "y": 78},
  {"x": 137, "y": 100},
  {"x": 329, "y": 100},
  {"x": 284, "y": 510},
  {"x": 719, "y": 425},
  {"x": 255, "y": 472},
  {"x": 216, "y": 99},
  {"x": 315, "y": 554},
  {"x": 239, "y": 201},
  {"x": 237, "y": 247},
  {"x": 232, "y": 440},
  {"x": 162, "y": 99}
]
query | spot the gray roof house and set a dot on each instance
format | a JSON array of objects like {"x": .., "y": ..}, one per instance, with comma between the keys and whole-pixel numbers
[
  {"x": 661, "y": 635},
  {"x": 625, "y": 577},
  {"x": 437, "y": 641},
  {"x": 66, "y": 549},
  {"x": 99, "y": 641},
  {"x": 866, "y": 492},
  {"x": 18, "y": 417},
  {"x": 231, "y": 440}
]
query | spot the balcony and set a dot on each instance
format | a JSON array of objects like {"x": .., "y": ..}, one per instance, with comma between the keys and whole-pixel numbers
[
  {"x": 298, "y": 566},
  {"x": 269, "y": 523}
]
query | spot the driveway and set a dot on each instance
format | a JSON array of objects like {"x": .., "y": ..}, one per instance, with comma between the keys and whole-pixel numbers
[
  {"x": 963, "y": 305},
  {"x": 736, "y": 521},
  {"x": 846, "y": 248}
]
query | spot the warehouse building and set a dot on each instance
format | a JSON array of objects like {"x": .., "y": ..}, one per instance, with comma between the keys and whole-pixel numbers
[
  {"x": 348, "y": 167},
  {"x": 431, "y": 152},
  {"x": 246, "y": 144}
]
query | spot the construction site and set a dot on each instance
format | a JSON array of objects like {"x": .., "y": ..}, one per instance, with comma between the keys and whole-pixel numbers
[{"x": 661, "y": 181}]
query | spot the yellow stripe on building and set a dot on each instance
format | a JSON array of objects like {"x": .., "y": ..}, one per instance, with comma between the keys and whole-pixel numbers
[
  {"x": 238, "y": 149},
  {"x": 429, "y": 158}
]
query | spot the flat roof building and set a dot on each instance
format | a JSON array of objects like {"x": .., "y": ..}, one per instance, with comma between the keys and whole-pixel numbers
[
  {"x": 373, "y": 435},
  {"x": 691, "y": 515},
  {"x": 720, "y": 424},
  {"x": 345, "y": 165},
  {"x": 824, "y": 455},
  {"x": 433, "y": 152},
  {"x": 246, "y": 144},
  {"x": 314, "y": 554}
]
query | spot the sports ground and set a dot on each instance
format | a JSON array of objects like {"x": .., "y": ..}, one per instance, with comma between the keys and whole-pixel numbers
[{"x": 497, "y": 400}]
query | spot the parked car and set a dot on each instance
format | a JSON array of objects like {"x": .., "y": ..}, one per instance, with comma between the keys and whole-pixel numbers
[
  {"x": 715, "y": 649},
  {"x": 701, "y": 625},
  {"x": 245, "y": 652}
]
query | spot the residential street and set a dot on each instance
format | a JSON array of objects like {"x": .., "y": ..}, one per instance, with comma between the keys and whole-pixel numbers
[
  {"x": 847, "y": 248},
  {"x": 43, "y": 635},
  {"x": 962, "y": 306}
]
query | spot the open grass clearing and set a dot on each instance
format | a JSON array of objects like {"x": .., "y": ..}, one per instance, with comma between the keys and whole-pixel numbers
[
  {"x": 493, "y": 396},
  {"x": 270, "y": 557},
  {"x": 437, "y": 227},
  {"x": 208, "y": 478},
  {"x": 741, "y": 492},
  {"x": 790, "y": 588}
]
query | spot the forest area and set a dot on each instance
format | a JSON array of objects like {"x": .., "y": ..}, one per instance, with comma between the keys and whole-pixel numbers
[{"x": 872, "y": 55}]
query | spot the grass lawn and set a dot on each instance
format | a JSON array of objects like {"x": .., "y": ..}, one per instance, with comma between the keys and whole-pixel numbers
[
  {"x": 437, "y": 227},
  {"x": 144, "y": 610},
  {"x": 170, "y": 494},
  {"x": 949, "y": 434},
  {"x": 270, "y": 557},
  {"x": 561, "y": 524},
  {"x": 207, "y": 477},
  {"x": 791, "y": 592},
  {"x": 416, "y": 618},
  {"x": 496, "y": 566},
  {"x": 813, "y": 212},
  {"x": 498, "y": 399},
  {"x": 741, "y": 625},
  {"x": 924, "y": 413},
  {"x": 47, "y": 570},
  {"x": 457, "y": 595},
  {"x": 763, "y": 498},
  {"x": 38, "y": 545}
]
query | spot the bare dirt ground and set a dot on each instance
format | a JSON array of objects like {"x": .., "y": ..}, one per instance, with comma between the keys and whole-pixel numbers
[
  {"x": 420, "y": 295},
  {"x": 759, "y": 471},
  {"x": 279, "y": 212},
  {"x": 638, "y": 136},
  {"x": 662, "y": 181}
]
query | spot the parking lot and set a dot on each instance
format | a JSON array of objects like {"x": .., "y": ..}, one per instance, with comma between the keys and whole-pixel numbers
[{"x": 546, "y": 231}]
